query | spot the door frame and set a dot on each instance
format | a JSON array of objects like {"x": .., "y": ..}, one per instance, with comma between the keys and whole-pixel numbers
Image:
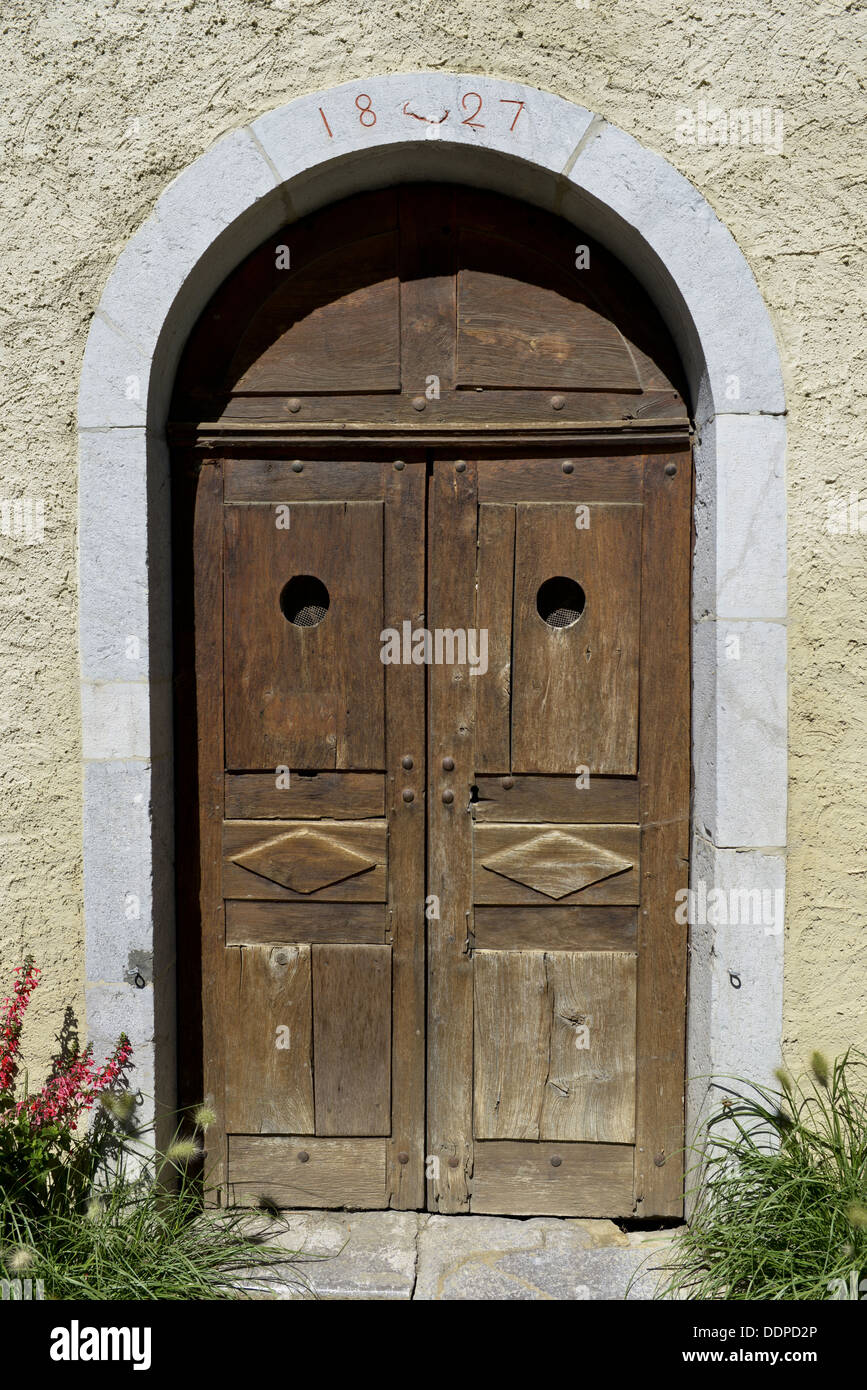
[{"x": 635, "y": 203}]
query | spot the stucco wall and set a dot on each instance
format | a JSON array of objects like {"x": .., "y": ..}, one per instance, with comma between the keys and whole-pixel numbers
[{"x": 106, "y": 104}]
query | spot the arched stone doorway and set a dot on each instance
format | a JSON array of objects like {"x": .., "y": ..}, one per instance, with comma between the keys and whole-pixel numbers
[
  {"x": 433, "y": 465},
  {"x": 556, "y": 156}
]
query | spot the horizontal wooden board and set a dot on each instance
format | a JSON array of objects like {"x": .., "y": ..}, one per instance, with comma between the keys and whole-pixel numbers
[
  {"x": 336, "y": 795},
  {"x": 616, "y": 479},
  {"x": 607, "y": 800},
  {"x": 318, "y": 480},
  {"x": 517, "y": 1178},
  {"x": 339, "y": 850},
  {"x": 263, "y": 923},
  {"x": 336, "y": 1173},
  {"x": 531, "y": 859},
  {"x": 555, "y": 928}
]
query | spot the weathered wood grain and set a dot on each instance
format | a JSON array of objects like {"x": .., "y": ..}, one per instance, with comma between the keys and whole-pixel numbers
[
  {"x": 496, "y": 566},
  {"x": 269, "y": 1078},
  {"x": 305, "y": 697},
  {"x": 511, "y": 1178},
  {"x": 269, "y": 923},
  {"x": 665, "y": 786},
  {"x": 451, "y": 604},
  {"x": 352, "y": 1039},
  {"x": 553, "y": 928},
  {"x": 404, "y": 566},
  {"x": 590, "y": 667},
  {"x": 535, "y": 854},
  {"x": 300, "y": 1170},
  {"x": 334, "y": 795},
  {"x": 609, "y": 800}
]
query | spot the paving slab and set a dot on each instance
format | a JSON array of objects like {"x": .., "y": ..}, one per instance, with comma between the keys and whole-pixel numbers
[
  {"x": 484, "y": 1258},
  {"x": 369, "y": 1255},
  {"x": 401, "y": 1256}
]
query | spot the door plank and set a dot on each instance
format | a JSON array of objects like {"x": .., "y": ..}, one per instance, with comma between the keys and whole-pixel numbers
[
  {"x": 451, "y": 604},
  {"x": 208, "y": 608},
  {"x": 589, "y": 667},
  {"x": 335, "y": 795},
  {"x": 318, "y": 480},
  {"x": 269, "y": 923},
  {"x": 542, "y": 479},
  {"x": 352, "y": 1039},
  {"x": 665, "y": 785},
  {"x": 609, "y": 800},
  {"x": 554, "y": 1045},
  {"x": 304, "y": 696},
  {"x": 496, "y": 566},
  {"x": 298, "y": 1170},
  {"x": 591, "y": 1082},
  {"x": 405, "y": 692},
  {"x": 269, "y": 1078},
  {"x": 519, "y": 1179},
  {"x": 512, "y": 1041},
  {"x": 554, "y": 928}
]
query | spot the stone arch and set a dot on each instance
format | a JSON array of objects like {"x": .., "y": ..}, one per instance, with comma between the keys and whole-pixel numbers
[{"x": 537, "y": 146}]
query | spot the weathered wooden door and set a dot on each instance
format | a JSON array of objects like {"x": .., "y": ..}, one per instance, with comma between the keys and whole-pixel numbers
[
  {"x": 558, "y": 833},
  {"x": 434, "y": 815}
]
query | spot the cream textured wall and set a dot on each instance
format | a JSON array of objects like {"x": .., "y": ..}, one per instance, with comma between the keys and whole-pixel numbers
[{"x": 105, "y": 104}]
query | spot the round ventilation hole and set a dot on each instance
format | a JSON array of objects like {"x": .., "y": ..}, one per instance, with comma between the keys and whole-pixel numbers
[
  {"x": 560, "y": 601},
  {"x": 304, "y": 600}
]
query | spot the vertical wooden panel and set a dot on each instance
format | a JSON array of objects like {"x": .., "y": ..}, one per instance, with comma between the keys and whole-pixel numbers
[
  {"x": 665, "y": 780},
  {"x": 208, "y": 606},
  {"x": 427, "y": 293},
  {"x": 269, "y": 1081},
  {"x": 554, "y": 1045},
  {"x": 575, "y": 688},
  {"x": 304, "y": 696},
  {"x": 591, "y": 1078},
  {"x": 352, "y": 1039},
  {"x": 512, "y": 1035},
  {"x": 496, "y": 565},
  {"x": 405, "y": 691},
  {"x": 451, "y": 604}
]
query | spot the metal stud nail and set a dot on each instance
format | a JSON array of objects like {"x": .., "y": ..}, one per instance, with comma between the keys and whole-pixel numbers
[
  {"x": 507, "y": 783},
  {"x": 403, "y": 1157},
  {"x": 448, "y": 797},
  {"x": 399, "y": 465},
  {"x": 460, "y": 466},
  {"x": 659, "y": 1160},
  {"x": 568, "y": 466},
  {"x": 558, "y": 402},
  {"x": 671, "y": 469},
  {"x": 294, "y": 404},
  {"x": 418, "y": 402},
  {"x": 448, "y": 764},
  {"x": 298, "y": 466},
  {"x": 409, "y": 795},
  {"x": 556, "y": 1161},
  {"x": 406, "y": 762},
  {"x": 303, "y": 1156}
]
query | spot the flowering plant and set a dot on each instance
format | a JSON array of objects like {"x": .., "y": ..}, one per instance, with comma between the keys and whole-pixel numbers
[{"x": 42, "y": 1158}]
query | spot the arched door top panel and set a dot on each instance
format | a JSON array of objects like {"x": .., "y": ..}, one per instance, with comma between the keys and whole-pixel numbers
[{"x": 429, "y": 305}]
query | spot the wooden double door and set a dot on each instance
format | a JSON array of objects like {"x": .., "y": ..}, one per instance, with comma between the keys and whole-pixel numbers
[{"x": 443, "y": 766}]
